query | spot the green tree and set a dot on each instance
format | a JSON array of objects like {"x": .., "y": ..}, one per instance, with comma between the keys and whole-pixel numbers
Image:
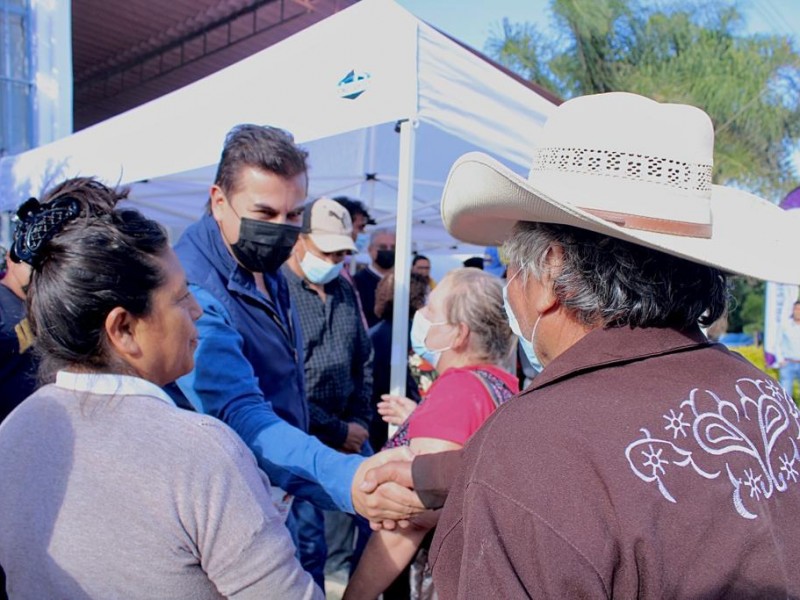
[
  {"x": 688, "y": 52},
  {"x": 746, "y": 310}
]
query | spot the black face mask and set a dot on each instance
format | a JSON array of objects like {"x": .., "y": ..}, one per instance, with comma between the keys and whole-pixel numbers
[
  {"x": 385, "y": 259},
  {"x": 263, "y": 247}
]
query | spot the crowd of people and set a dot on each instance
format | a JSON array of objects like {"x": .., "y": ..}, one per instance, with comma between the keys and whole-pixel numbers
[{"x": 210, "y": 419}]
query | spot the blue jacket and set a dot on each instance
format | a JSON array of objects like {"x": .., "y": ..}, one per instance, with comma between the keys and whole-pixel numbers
[{"x": 249, "y": 371}]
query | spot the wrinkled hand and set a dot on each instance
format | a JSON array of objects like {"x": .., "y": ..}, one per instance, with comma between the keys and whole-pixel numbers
[
  {"x": 395, "y": 409},
  {"x": 381, "y": 489},
  {"x": 356, "y": 436}
]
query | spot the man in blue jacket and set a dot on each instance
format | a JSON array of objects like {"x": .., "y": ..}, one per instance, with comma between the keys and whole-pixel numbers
[{"x": 249, "y": 361}]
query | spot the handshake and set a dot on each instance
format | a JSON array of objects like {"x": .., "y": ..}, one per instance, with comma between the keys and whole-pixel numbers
[{"x": 383, "y": 489}]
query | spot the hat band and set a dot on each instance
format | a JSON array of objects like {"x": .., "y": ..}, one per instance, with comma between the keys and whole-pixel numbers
[
  {"x": 690, "y": 182},
  {"x": 682, "y": 228},
  {"x": 683, "y": 175}
]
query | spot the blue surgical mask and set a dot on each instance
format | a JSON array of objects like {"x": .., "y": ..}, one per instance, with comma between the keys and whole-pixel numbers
[
  {"x": 527, "y": 344},
  {"x": 319, "y": 271},
  {"x": 419, "y": 331},
  {"x": 362, "y": 242}
]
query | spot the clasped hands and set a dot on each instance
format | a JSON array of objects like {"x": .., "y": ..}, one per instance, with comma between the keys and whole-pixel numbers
[{"x": 382, "y": 489}]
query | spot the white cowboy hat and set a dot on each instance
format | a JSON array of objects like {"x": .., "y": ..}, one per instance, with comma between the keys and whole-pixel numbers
[{"x": 634, "y": 169}]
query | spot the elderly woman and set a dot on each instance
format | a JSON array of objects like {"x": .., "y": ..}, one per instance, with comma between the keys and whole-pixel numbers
[
  {"x": 463, "y": 328},
  {"x": 109, "y": 490},
  {"x": 644, "y": 461}
]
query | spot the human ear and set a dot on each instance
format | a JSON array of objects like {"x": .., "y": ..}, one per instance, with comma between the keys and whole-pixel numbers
[
  {"x": 120, "y": 326},
  {"x": 217, "y": 197},
  {"x": 545, "y": 298},
  {"x": 461, "y": 340},
  {"x": 463, "y": 334},
  {"x": 300, "y": 247}
]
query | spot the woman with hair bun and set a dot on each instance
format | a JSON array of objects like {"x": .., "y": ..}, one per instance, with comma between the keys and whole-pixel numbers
[{"x": 109, "y": 489}]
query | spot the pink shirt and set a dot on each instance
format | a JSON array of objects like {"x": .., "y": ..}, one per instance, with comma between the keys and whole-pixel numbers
[{"x": 456, "y": 405}]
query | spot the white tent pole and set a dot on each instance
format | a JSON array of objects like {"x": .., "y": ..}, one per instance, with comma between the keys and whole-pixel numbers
[
  {"x": 373, "y": 151},
  {"x": 402, "y": 263},
  {"x": 5, "y": 231}
]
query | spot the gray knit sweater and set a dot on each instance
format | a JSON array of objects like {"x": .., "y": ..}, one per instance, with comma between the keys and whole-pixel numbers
[{"x": 125, "y": 496}]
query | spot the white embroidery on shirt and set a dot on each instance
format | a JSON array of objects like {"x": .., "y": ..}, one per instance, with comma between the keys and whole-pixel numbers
[
  {"x": 719, "y": 433},
  {"x": 675, "y": 422},
  {"x": 787, "y": 467}
]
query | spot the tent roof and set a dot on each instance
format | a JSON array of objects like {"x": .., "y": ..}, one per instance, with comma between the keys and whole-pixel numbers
[
  {"x": 339, "y": 86},
  {"x": 404, "y": 68}
]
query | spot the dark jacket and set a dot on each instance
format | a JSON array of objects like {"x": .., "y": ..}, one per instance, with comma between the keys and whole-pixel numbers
[
  {"x": 641, "y": 463},
  {"x": 367, "y": 281},
  {"x": 249, "y": 370},
  {"x": 381, "y": 336},
  {"x": 17, "y": 360}
]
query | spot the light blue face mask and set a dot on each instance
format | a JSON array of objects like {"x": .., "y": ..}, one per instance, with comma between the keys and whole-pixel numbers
[
  {"x": 362, "y": 242},
  {"x": 527, "y": 344},
  {"x": 319, "y": 271},
  {"x": 419, "y": 331}
]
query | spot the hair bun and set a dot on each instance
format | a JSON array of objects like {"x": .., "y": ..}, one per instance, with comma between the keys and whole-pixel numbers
[{"x": 38, "y": 224}]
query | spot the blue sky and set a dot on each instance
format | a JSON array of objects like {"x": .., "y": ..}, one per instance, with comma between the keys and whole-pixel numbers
[{"x": 471, "y": 21}]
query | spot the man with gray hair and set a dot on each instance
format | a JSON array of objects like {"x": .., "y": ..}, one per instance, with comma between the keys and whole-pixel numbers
[
  {"x": 644, "y": 461},
  {"x": 381, "y": 250}
]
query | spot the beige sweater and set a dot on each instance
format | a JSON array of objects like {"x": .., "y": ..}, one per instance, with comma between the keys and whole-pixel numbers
[{"x": 125, "y": 496}]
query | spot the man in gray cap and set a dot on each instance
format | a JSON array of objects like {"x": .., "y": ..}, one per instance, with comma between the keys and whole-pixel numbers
[{"x": 337, "y": 365}]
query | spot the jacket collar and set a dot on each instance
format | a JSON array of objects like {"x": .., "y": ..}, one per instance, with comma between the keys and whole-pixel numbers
[
  {"x": 604, "y": 347},
  {"x": 207, "y": 240}
]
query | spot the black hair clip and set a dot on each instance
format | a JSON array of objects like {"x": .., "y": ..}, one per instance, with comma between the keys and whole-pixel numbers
[{"x": 37, "y": 224}]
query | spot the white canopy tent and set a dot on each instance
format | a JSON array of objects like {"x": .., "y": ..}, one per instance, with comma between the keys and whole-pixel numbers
[{"x": 383, "y": 102}]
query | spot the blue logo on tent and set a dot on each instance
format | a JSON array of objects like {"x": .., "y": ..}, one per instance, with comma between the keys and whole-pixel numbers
[{"x": 353, "y": 85}]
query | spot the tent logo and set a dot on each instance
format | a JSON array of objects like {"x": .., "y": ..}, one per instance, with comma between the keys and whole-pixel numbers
[{"x": 352, "y": 85}]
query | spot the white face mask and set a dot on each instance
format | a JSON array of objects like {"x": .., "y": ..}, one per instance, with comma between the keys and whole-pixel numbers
[
  {"x": 419, "y": 332},
  {"x": 527, "y": 344},
  {"x": 317, "y": 270}
]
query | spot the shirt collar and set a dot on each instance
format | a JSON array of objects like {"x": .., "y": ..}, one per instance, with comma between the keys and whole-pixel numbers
[
  {"x": 110, "y": 384},
  {"x": 374, "y": 272},
  {"x": 615, "y": 345}
]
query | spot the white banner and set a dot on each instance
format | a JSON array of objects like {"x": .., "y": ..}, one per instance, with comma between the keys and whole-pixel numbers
[{"x": 778, "y": 301}]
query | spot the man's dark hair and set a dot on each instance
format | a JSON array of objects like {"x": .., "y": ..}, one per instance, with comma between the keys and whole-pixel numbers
[
  {"x": 266, "y": 148},
  {"x": 384, "y": 295},
  {"x": 104, "y": 258},
  {"x": 417, "y": 258},
  {"x": 354, "y": 207},
  {"x": 475, "y": 262}
]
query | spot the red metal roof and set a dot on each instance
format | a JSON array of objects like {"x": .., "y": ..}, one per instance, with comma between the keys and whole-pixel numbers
[{"x": 127, "y": 52}]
